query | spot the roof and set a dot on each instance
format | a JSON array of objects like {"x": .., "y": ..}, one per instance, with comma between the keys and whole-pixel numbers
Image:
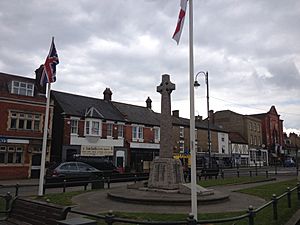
[
  {"x": 236, "y": 137},
  {"x": 138, "y": 114},
  {"x": 81, "y": 106},
  {"x": 76, "y": 105}
]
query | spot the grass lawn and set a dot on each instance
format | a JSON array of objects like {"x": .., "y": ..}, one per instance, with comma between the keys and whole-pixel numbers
[
  {"x": 230, "y": 181},
  {"x": 64, "y": 199},
  {"x": 264, "y": 217}
]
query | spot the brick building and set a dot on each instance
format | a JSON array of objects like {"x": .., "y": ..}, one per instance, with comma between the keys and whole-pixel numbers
[
  {"x": 272, "y": 133},
  {"x": 22, "y": 110},
  {"x": 250, "y": 129},
  {"x": 129, "y": 135}
]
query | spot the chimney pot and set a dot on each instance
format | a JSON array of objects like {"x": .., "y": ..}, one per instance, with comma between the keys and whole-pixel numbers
[
  {"x": 149, "y": 103},
  {"x": 107, "y": 94},
  {"x": 175, "y": 113}
]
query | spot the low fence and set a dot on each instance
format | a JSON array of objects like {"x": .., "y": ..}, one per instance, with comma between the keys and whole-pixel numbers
[
  {"x": 250, "y": 216},
  {"x": 104, "y": 182}
]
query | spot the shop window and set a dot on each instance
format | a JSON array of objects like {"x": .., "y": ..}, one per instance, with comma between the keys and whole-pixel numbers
[{"x": 11, "y": 155}]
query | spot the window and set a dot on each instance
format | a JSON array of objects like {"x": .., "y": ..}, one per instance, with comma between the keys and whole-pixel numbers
[
  {"x": 92, "y": 127},
  {"x": 11, "y": 154},
  {"x": 22, "y": 88},
  {"x": 109, "y": 130},
  {"x": 181, "y": 146},
  {"x": 181, "y": 132},
  {"x": 250, "y": 125},
  {"x": 156, "y": 134},
  {"x": 120, "y": 131},
  {"x": 137, "y": 133},
  {"x": 74, "y": 126},
  {"x": 24, "y": 121}
]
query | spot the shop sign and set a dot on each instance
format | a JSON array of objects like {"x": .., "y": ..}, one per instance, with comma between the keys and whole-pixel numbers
[
  {"x": 3, "y": 140},
  {"x": 88, "y": 150}
]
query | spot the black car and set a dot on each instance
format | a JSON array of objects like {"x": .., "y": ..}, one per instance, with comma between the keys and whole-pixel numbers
[{"x": 72, "y": 171}]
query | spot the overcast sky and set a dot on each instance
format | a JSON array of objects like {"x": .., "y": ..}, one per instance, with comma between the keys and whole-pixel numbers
[{"x": 250, "y": 48}]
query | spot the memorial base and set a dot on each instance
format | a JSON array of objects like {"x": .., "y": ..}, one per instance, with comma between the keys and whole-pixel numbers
[{"x": 166, "y": 173}]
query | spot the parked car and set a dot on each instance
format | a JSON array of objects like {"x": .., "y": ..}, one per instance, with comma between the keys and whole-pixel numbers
[
  {"x": 106, "y": 166},
  {"x": 72, "y": 171},
  {"x": 289, "y": 163}
]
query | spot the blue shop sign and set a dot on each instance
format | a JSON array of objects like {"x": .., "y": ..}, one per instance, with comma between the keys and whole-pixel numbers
[{"x": 3, "y": 140}]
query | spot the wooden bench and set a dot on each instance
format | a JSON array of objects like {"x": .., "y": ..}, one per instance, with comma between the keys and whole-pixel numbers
[
  {"x": 209, "y": 172},
  {"x": 27, "y": 212}
]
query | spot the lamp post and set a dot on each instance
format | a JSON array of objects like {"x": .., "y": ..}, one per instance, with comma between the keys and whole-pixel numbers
[{"x": 196, "y": 84}]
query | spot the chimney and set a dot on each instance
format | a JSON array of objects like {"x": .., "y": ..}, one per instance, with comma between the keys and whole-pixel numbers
[
  {"x": 175, "y": 113},
  {"x": 198, "y": 118},
  {"x": 107, "y": 94},
  {"x": 211, "y": 117},
  {"x": 148, "y": 103}
]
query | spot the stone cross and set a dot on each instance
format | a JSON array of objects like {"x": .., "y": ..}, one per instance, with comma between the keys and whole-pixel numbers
[{"x": 166, "y": 142}]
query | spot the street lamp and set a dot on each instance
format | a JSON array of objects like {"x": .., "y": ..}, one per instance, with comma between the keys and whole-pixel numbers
[{"x": 196, "y": 84}]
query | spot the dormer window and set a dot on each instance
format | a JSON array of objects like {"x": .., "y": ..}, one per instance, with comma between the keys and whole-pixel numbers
[{"x": 22, "y": 88}]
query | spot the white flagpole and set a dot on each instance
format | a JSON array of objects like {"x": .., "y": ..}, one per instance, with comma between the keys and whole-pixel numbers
[
  {"x": 192, "y": 115},
  {"x": 44, "y": 148}
]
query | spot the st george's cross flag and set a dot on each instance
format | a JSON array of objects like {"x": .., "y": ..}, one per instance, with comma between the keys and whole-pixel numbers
[
  {"x": 179, "y": 27},
  {"x": 49, "y": 72}
]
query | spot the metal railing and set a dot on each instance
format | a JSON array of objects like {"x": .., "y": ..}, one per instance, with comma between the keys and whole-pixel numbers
[{"x": 251, "y": 214}]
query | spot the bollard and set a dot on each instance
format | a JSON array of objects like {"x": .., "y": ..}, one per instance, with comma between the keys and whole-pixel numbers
[
  {"x": 289, "y": 197},
  {"x": 275, "y": 213},
  {"x": 109, "y": 217},
  {"x": 238, "y": 173},
  {"x": 191, "y": 220},
  {"x": 222, "y": 174},
  {"x": 267, "y": 174},
  {"x": 108, "y": 182},
  {"x": 250, "y": 173},
  {"x": 7, "y": 198},
  {"x": 135, "y": 178},
  {"x": 64, "y": 186},
  {"x": 255, "y": 169},
  {"x": 17, "y": 190},
  {"x": 298, "y": 190},
  {"x": 251, "y": 215}
]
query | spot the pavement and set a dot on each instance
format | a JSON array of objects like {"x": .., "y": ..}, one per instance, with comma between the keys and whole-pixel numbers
[{"x": 96, "y": 201}]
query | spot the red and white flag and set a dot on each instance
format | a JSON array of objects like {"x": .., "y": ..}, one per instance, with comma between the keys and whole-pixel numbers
[{"x": 179, "y": 27}]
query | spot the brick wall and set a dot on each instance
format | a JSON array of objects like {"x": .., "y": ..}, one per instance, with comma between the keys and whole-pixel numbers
[{"x": 14, "y": 172}]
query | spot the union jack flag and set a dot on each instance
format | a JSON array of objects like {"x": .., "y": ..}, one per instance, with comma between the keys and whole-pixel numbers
[{"x": 49, "y": 72}]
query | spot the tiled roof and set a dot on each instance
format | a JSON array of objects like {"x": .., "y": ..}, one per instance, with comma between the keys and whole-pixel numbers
[
  {"x": 76, "y": 105},
  {"x": 138, "y": 114}
]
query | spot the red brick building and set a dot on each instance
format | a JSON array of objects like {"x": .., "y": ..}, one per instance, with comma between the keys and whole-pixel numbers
[
  {"x": 272, "y": 132},
  {"x": 22, "y": 109}
]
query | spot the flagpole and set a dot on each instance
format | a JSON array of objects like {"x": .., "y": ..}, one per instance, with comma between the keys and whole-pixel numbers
[
  {"x": 192, "y": 115},
  {"x": 44, "y": 148}
]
